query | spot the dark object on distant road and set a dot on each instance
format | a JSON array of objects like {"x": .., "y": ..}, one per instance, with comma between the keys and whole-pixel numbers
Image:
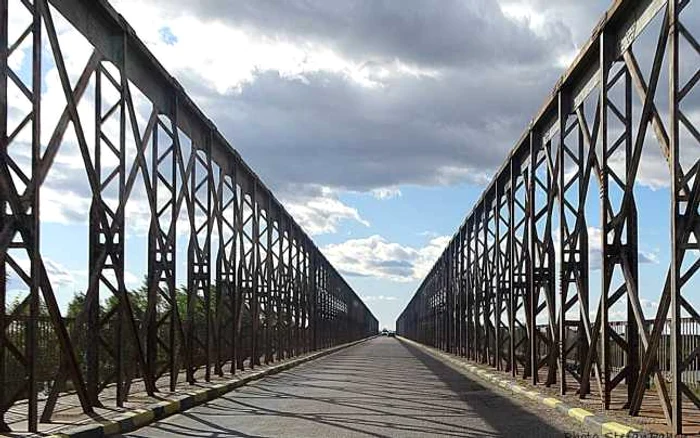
[{"x": 392, "y": 334}]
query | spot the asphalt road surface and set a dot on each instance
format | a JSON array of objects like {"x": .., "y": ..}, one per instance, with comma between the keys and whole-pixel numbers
[{"x": 380, "y": 388}]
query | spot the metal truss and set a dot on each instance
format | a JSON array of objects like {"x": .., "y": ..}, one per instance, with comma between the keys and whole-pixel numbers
[
  {"x": 257, "y": 289},
  {"x": 523, "y": 292}
]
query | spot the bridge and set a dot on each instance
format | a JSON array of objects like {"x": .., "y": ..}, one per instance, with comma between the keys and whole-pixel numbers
[{"x": 511, "y": 296}]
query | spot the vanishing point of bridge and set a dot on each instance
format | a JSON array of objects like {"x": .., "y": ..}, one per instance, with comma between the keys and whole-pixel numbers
[{"x": 511, "y": 291}]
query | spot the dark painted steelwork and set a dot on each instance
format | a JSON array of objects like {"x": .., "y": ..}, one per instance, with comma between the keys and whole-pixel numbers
[
  {"x": 522, "y": 295},
  {"x": 272, "y": 296}
]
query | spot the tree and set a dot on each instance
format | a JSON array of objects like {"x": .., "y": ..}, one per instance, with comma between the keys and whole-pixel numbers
[{"x": 76, "y": 304}]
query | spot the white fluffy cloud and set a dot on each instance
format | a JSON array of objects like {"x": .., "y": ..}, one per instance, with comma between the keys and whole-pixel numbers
[
  {"x": 320, "y": 211},
  {"x": 377, "y": 257}
]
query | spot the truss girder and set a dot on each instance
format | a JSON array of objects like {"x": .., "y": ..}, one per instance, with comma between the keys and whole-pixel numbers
[{"x": 527, "y": 243}]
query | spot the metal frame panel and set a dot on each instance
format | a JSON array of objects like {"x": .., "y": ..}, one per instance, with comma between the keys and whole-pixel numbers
[{"x": 543, "y": 187}]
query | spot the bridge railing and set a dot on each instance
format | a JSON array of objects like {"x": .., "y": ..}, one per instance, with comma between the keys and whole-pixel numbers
[
  {"x": 690, "y": 340},
  {"x": 522, "y": 257},
  {"x": 256, "y": 288}
]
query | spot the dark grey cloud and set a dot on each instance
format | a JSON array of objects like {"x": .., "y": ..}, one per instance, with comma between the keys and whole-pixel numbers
[
  {"x": 395, "y": 264},
  {"x": 329, "y": 131},
  {"x": 437, "y": 34},
  {"x": 350, "y": 273},
  {"x": 489, "y": 75}
]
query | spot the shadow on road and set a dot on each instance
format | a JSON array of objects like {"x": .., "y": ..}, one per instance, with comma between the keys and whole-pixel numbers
[
  {"x": 497, "y": 410},
  {"x": 382, "y": 389}
]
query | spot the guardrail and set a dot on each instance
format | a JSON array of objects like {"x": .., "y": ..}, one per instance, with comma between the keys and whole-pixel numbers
[
  {"x": 521, "y": 256},
  {"x": 257, "y": 288}
]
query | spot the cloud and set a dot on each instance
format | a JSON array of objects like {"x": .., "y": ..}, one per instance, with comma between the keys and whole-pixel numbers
[
  {"x": 418, "y": 33},
  {"x": 386, "y": 193},
  {"x": 319, "y": 211},
  {"x": 57, "y": 273},
  {"x": 321, "y": 98},
  {"x": 358, "y": 96},
  {"x": 595, "y": 251},
  {"x": 376, "y": 257},
  {"x": 318, "y": 93},
  {"x": 618, "y": 312},
  {"x": 366, "y": 97},
  {"x": 80, "y": 278},
  {"x": 373, "y": 298},
  {"x": 576, "y": 17}
]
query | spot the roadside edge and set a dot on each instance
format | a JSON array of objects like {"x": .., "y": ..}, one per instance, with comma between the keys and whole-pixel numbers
[
  {"x": 596, "y": 423},
  {"x": 141, "y": 417}
]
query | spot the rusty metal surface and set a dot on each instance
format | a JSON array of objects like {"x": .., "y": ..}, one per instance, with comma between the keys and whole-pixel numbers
[
  {"x": 512, "y": 288},
  {"x": 257, "y": 288}
]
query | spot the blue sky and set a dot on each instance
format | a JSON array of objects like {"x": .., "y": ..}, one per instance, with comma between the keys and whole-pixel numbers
[{"x": 378, "y": 126}]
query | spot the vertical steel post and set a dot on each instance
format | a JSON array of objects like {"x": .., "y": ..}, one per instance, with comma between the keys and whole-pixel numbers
[
  {"x": 562, "y": 115},
  {"x": 255, "y": 275},
  {"x": 4, "y": 320},
  {"x": 33, "y": 245},
  {"x": 604, "y": 63},
  {"x": 512, "y": 300},
  {"x": 535, "y": 145},
  {"x": 677, "y": 204}
]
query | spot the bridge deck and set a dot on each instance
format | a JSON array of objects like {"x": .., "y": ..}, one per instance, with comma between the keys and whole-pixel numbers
[{"x": 379, "y": 388}]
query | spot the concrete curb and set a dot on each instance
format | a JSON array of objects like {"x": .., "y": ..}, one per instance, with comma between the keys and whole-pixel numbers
[
  {"x": 137, "y": 418},
  {"x": 597, "y": 424}
]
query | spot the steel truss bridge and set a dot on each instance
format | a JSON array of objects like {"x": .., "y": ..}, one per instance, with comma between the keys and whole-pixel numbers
[
  {"x": 257, "y": 288},
  {"x": 512, "y": 288}
]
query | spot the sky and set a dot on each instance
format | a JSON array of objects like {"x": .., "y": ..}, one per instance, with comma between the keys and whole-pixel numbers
[{"x": 377, "y": 123}]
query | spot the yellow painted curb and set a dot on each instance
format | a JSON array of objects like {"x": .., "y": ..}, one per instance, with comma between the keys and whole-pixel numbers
[
  {"x": 532, "y": 394},
  {"x": 617, "y": 428},
  {"x": 551, "y": 402},
  {"x": 139, "y": 417},
  {"x": 111, "y": 428},
  {"x": 220, "y": 389},
  {"x": 171, "y": 408},
  {"x": 142, "y": 417},
  {"x": 579, "y": 414}
]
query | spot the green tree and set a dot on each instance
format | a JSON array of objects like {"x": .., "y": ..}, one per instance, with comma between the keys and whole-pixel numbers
[{"x": 76, "y": 304}]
